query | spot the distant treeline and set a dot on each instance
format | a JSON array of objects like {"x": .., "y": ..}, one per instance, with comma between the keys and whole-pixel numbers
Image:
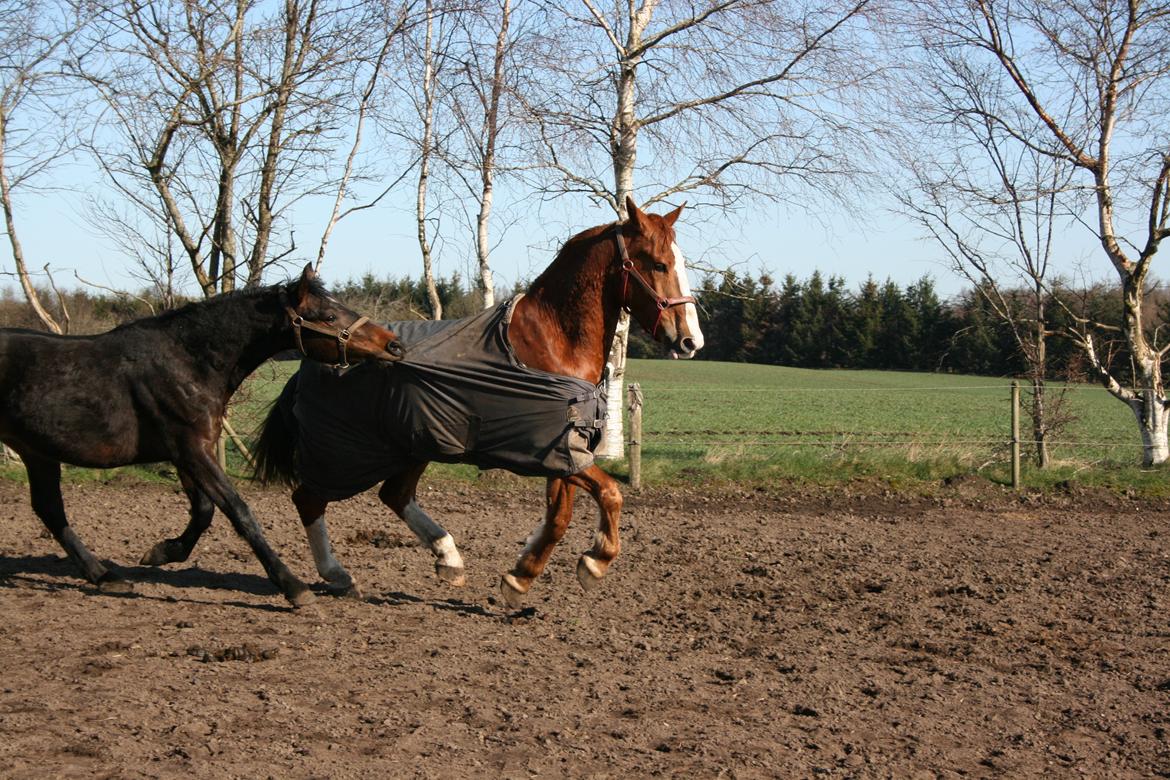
[{"x": 818, "y": 322}]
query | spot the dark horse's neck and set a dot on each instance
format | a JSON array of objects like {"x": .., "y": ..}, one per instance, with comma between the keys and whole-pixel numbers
[
  {"x": 229, "y": 336},
  {"x": 566, "y": 321}
]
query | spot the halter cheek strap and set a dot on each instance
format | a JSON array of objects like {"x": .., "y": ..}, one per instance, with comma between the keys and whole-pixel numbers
[
  {"x": 341, "y": 334},
  {"x": 630, "y": 270}
]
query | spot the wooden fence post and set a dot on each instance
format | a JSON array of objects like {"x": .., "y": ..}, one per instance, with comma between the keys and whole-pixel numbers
[
  {"x": 1015, "y": 435},
  {"x": 635, "y": 407}
]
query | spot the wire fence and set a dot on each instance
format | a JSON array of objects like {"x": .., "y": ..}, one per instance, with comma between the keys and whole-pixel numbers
[{"x": 973, "y": 421}]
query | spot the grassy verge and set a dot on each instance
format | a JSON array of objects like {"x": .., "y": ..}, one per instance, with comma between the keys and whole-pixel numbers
[{"x": 736, "y": 424}]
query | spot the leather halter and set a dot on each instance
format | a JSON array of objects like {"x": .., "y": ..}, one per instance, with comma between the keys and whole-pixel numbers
[
  {"x": 628, "y": 270},
  {"x": 341, "y": 334}
]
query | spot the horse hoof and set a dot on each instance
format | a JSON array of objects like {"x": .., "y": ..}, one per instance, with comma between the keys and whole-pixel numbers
[
  {"x": 163, "y": 553},
  {"x": 511, "y": 592},
  {"x": 350, "y": 591},
  {"x": 456, "y": 575},
  {"x": 302, "y": 598},
  {"x": 587, "y": 574},
  {"x": 112, "y": 583}
]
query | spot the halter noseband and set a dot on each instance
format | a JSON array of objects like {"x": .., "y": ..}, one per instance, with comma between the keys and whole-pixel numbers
[
  {"x": 628, "y": 270},
  {"x": 341, "y": 334}
]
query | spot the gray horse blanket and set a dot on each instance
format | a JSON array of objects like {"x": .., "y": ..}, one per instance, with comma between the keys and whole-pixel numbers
[{"x": 459, "y": 396}]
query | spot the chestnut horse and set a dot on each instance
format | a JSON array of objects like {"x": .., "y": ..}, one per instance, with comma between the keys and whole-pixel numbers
[
  {"x": 156, "y": 389},
  {"x": 562, "y": 326}
]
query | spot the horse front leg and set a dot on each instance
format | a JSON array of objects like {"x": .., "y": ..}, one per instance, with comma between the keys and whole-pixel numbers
[
  {"x": 399, "y": 492},
  {"x": 558, "y": 513},
  {"x": 592, "y": 565},
  {"x": 209, "y": 478},
  {"x": 44, "y": 483},
  {"x": 179, "y": 549},
  {"x": 311, "y": 509}
]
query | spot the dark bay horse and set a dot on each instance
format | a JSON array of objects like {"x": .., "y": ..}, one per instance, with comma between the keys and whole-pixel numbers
[
  {"x": 156, "y": 390},
  {"x": 561, "y": 328}
]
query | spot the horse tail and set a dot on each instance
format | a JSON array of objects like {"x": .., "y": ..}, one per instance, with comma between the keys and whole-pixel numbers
[{"x": 274, "y": 455}]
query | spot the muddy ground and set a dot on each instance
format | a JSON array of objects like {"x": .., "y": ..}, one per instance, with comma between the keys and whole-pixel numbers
[{"x": 847, "y": 633}]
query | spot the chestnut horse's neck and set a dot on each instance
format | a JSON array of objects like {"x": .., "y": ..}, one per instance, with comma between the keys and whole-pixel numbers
[{"x": 566, "y": 321}]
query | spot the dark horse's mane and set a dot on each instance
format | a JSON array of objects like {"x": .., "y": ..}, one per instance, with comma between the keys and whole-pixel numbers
[{"x": 210, "y": 312}]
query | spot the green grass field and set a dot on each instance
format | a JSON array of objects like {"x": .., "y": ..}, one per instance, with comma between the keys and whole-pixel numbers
[
  {"x": 764, "y": 425},
  {"x": 758, "y": 424}
]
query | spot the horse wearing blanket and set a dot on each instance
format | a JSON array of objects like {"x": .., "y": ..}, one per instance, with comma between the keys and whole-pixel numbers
[{"x": 517, "y": 387}]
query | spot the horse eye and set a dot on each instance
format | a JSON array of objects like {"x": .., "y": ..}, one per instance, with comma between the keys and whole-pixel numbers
[
  {"x": 660, "y": 267},
  {"x": 331, "y": 318}
]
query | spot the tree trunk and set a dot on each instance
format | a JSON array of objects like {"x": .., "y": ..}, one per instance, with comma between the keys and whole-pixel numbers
[
  {"x": 624, "y": 149},
  {"x": 1151, "y": 411},
  {"x": 424, "y": 170},
  {"x": 491, "y": 130},
  {"x": 1039, "y": 426},
  {"x": 1040, "y": 421},
  {"x": 30, "y": 292}
]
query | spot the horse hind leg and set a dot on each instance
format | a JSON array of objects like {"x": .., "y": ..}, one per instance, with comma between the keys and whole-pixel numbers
[
  {"x": 179, "y": 549},
  {"x": 44, "y": 481},
  {"x": 311, "y": 509},
  {"x": 398, "y": 493},
  {"x": 538, "y": 548}
]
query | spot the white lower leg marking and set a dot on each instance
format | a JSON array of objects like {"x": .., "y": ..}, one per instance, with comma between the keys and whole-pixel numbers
[
  {"x": 328, "y": 567},
  {"x": 433, "y": 535},
  {"x": 448, "y": 555}
]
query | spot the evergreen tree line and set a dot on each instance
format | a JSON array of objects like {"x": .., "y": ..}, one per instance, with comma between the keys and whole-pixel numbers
[{"x": 818, "y": 322}]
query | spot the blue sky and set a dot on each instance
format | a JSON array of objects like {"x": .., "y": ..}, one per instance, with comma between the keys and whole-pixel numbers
[{"x": 382, "y": 241}]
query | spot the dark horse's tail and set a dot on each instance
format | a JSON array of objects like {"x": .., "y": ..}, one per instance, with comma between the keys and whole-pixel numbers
[{"x": 274, "y": 456}]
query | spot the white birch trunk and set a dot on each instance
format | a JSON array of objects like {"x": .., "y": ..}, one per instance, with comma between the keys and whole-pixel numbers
[
  {"x": 487, "y": 283},
  {"x": 30, "y": 292},
  {"x": 425, "y": 169},
  {"x": 624, "y": 148},
  {"x": 1152, "y": 417}
]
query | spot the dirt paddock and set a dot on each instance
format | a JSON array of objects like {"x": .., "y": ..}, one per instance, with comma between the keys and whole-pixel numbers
[{"x": 842, "y": 633}]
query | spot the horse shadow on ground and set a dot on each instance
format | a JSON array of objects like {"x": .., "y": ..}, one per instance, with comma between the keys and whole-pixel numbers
[
  {"x": 399, "y": 599},
  {"x": 52, "y": 572}
]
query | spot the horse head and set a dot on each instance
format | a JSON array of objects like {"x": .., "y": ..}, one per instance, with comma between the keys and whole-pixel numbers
[
  {"x": 655, "y": 289},
  {"x": 329, "y": 332}
]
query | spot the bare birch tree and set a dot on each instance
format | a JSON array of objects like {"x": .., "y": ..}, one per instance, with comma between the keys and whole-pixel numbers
[
  {"x": 426, "y": 110},
  {"x": 1095, "y": 76},
  {"x": 33, "y": 38},
  {"x": 719, "y": 101},
  {"x": 990, "y": 201},
  {"x": 478, "y": 95},
  {"x": 218, "y": 116}
]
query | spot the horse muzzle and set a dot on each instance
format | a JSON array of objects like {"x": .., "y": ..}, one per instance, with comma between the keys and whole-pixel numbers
[
  {"x": 685, "y": 347},
  {"x": 395, "y": 350}
]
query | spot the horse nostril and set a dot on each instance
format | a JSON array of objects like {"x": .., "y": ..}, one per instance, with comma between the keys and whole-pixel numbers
[{"x": 687, "y": 344}]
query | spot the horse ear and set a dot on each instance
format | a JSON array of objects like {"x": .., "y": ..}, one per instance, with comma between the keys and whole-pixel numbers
[
  {"x": 672, "y": 217},
  {"x": 305, "y": 284},
  {"x": 636, "y": 217}
]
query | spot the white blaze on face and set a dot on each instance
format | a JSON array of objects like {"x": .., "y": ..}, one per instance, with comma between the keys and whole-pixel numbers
[{"x": 692, "y": 311}]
